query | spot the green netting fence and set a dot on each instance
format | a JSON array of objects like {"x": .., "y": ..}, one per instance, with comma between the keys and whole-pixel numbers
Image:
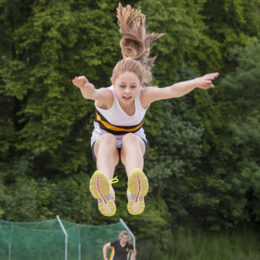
[{"x": 56, "y": 239}]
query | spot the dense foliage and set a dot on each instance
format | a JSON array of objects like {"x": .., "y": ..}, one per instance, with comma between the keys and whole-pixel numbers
[{"x": 203, "y": 159}]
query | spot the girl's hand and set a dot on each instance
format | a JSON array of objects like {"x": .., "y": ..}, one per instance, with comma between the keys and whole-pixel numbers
[
  {"x": 80, "y": 81},
  {"x": 205, "y": 82}
]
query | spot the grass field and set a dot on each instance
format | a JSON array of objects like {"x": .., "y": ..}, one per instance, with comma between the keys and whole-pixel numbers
[{"x": 187, "y": 244}]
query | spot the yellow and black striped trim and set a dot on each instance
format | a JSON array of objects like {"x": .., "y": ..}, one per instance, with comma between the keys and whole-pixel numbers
[
  {"x": 115, "y": 129},
  {"x": 112, "y": 253}
]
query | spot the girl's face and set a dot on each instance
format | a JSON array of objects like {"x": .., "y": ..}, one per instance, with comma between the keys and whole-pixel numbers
[
  {"x": 124, "y": 239},
  {"x": 127, "y": 86}
]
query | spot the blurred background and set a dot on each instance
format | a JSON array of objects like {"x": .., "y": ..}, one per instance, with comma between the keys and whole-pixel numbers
[{"x": 203, "y": 160}]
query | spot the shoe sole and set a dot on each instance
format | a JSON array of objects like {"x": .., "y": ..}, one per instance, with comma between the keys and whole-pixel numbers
[
  {"x": 100, "y": 189},
  {"x": 138, "y": 186}
]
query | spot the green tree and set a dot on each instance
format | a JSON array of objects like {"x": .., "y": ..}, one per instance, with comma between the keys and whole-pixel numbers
[
  {"x": 203, "y": 156},
  {"x": 58, "y": 41},
  {"x": 231, "y": 144},
  {"x": 231, "y": 24}
]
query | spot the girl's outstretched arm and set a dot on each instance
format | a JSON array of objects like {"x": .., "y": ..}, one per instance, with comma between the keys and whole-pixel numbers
[
  {"x": 151, "y": 94},
  {"x": 102, "y": 96},
  {"x": 87, "y": 89}
]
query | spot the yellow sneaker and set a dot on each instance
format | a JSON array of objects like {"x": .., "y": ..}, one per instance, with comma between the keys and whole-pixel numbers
[
  {"x": 102, "y": 190},
  {"x": 137, "y": 189}
]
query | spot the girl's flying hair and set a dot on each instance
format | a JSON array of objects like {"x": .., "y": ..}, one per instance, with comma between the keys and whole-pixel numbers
[{"x": 135, "y": 41}]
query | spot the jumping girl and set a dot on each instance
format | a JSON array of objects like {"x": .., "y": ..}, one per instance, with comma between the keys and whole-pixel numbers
[{"x": 118, "y": 137}]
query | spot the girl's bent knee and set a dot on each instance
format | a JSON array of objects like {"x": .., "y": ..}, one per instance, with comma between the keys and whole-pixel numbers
[
  {"x": 129, "y": 138},
  {"x": 108, "y": 139}
]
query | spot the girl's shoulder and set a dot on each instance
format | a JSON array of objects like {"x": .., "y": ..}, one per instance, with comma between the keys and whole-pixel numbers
[
  {"x": 146, "y": 95},
  {"x": 148, "y": 90},
  {"x": 106, "y": 98}
]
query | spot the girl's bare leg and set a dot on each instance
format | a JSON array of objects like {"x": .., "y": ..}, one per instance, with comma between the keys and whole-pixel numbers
[
  {"x": 100, "y": 186},
  {"x": 107, "y": 154},
  {"x": 133, "y": 149}
]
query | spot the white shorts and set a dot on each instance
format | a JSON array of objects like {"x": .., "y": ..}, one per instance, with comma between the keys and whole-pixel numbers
[{"x": 97, "y": 132}]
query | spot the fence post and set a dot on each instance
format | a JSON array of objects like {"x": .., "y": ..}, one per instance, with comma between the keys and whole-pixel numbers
[
  {"x": 79, "y": 247},
  {"x": 66, "y": 237},
  {"x": 10, "y": 243},
  {"x": 126, "y": 227}
]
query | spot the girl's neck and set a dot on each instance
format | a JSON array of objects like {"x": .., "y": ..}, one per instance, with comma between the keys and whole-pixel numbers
[
  {"x": 128, "y": 108},
  {"x": 122, "y": 244}
]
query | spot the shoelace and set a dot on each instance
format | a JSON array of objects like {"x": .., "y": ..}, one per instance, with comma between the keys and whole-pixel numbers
[{"x": 114, "y": 180}]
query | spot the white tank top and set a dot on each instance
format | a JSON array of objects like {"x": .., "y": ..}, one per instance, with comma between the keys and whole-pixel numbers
[{"x": 116, "y": 121}]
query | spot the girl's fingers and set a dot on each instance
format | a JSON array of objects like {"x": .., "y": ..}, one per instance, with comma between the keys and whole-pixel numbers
[{"x": 214, "y": 75}]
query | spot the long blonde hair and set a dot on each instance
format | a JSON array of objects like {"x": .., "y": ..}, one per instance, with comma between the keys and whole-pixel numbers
[{"x": 134, "y": 44}]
